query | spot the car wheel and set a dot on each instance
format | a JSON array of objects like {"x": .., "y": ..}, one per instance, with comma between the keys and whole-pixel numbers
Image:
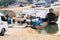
[{"x": 2, "y": 32}]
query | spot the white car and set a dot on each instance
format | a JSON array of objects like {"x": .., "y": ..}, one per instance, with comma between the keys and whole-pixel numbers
[
  {"x": 55, "y": 4},
  {"x": 3, "y": 25}
]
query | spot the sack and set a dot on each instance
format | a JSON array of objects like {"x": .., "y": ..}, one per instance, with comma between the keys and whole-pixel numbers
[{"x": 51, "y": 28}]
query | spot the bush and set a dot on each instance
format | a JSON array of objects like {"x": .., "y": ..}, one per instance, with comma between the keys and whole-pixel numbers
[{"x": 4, "y": 2}]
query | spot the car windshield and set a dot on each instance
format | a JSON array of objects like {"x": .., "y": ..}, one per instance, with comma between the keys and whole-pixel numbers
[{"x": 3, "y": 18}]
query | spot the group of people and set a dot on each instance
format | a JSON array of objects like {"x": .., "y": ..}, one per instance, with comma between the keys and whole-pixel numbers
[
  {"x": 52, "y": 26},
  {"x": 10, "y": 19},
  {"x": 14, "y": 19},
  {"x": 50, "y": 21}
]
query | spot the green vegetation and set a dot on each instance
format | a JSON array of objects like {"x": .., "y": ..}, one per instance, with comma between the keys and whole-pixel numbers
[
  {"x": 3, "y": 2},
  {"x": 51, "y": 28},
  {"x": 30, "y": 1}
]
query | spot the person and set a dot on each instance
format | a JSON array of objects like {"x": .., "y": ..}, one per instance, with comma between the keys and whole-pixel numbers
[
  {"x": 40, "y": 20},
  {"x": 9, "y": 20},
  {"x": 14, "y": 19},
  {"x": 35, "y": 23},
  {"x": 52, "y": 26},
  {"x": 7, "y": 16},
  {"x": 30, "y": 19},
  {"x": 23, "y": 18}
]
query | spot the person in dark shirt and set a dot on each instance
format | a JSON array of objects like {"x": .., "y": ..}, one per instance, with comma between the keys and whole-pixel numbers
[
  {"x": 52, "y": 26},
  {"x": 51, "y": 17}
]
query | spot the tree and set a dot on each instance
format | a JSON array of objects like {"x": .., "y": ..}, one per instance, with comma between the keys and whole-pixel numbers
[
  {"x": 38, "y": 1},
  {"x": 3, "y": 2},
  {"x": 54, "y": 0},
  {"x": 11, "y": 1},
  {"x": 30, "y": 1}
]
